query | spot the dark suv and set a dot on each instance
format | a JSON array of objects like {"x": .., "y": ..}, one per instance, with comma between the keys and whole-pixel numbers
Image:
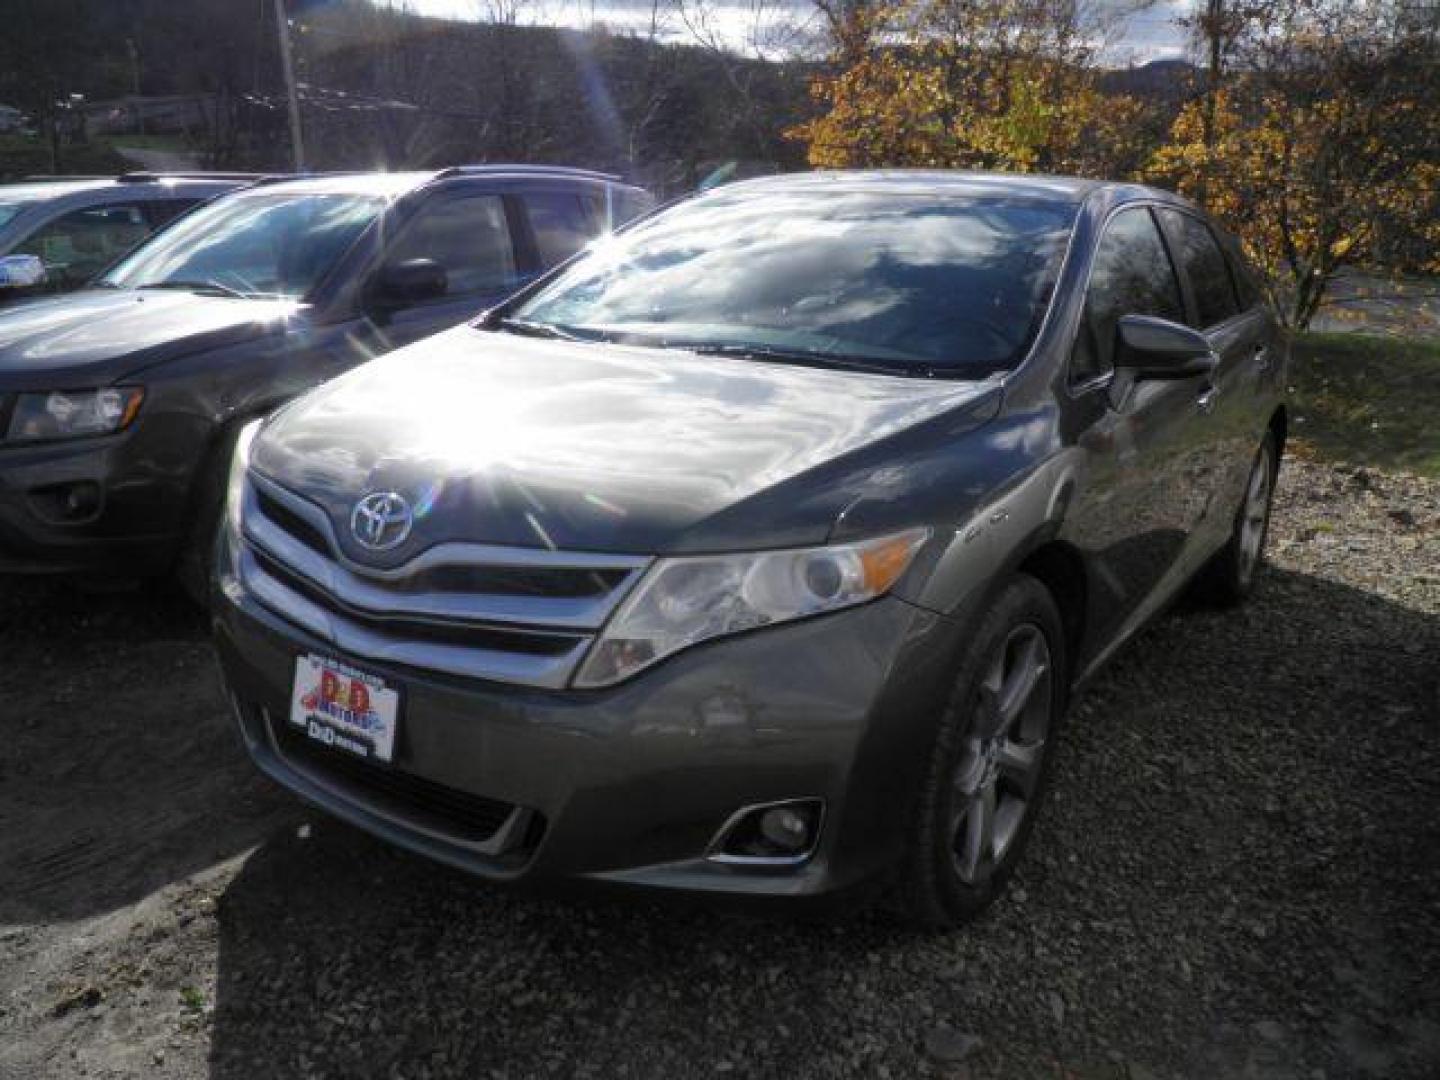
[
  {"x": 757, "y": 551},
  {"x": 119, "y": 404},
  {"x": 55, "y": 235}
]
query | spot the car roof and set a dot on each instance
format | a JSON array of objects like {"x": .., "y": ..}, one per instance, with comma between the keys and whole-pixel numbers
[
  {"x": 46, "y": 190},
  {"x": 392, "y": 185},
  {"x": 951, "y": 183}
]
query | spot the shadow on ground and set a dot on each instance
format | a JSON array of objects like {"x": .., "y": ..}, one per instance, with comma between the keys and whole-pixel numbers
[
  {"x": 119, "y": 770},
  {"x": 1238, "y": 876}
]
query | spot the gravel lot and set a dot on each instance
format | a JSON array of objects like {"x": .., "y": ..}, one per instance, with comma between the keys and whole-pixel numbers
[{"x": 1239, "y": 875}]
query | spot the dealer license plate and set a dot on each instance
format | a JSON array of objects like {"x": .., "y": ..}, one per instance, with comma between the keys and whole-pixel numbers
[{"x": 345, "y": 709}]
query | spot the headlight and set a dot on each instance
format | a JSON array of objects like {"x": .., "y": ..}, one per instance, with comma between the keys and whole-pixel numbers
[
  {"x": 229, "y": 540},
  {"x": 684, "y": 601},
  {"x": 68, "y": 414},
  {"x": 235, "y": 483}
]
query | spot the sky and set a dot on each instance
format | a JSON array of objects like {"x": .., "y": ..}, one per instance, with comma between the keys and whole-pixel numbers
[{"x": 1150, "y": 34}]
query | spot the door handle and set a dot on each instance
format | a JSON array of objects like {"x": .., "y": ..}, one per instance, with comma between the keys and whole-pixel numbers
[
  {"x": 1206, "y": 401},
  {"x": 1262, "y": 358}
]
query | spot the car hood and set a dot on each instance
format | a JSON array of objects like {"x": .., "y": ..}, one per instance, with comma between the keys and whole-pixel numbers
[
  {"x": 95, "y": 337},
  {"x": 500, "y": 439}
]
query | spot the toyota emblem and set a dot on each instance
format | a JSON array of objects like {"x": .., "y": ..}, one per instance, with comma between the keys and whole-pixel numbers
[{"x": 381, "y": 520}]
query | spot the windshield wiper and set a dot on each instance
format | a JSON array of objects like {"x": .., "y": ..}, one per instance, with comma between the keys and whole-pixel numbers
[
  {"x": 812, "y": 358},
  {"x": 196, "y": 286},
  {"x": 534, "y": 329}
]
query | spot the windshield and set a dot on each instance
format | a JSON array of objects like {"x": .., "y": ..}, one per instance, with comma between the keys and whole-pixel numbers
[
  {"x": 953, "y": 286},
  {"x": 8, "y": 210},
  {"x": 252, "y": 245}
]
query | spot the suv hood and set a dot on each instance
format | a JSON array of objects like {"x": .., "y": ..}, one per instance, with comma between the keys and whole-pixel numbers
[
  {"x": 500, "y": 439},
  {"x": 95, "y": 337}
]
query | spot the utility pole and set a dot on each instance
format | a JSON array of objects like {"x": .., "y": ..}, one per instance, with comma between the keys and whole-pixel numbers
[
  {"x": 297, "y": 143},
  {"x": 135, "y": 85}
]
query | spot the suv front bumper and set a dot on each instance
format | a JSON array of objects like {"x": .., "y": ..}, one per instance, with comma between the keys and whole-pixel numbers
[
  {"x": 132, "y": 531},
  {"x": 630, "y": 785}
]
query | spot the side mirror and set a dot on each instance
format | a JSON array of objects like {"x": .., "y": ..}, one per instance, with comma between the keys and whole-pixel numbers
[
  {"x": 21, "y": 272},
  {"x": 413, "y": 281},
  {"x": 1153, "y": 348}
]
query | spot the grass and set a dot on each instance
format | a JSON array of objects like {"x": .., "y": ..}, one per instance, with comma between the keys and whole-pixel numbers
[
  {"x": 1368, "y": 400},
  {"x": 176, "y": 143},
  {"x": 22, "y": 156}
]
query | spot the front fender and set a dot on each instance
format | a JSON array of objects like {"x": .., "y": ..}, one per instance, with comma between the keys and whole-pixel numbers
[{"x": 996, "y": 538}]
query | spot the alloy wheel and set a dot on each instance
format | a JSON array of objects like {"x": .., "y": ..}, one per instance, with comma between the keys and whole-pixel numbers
[{"x": 996, "y": 779}]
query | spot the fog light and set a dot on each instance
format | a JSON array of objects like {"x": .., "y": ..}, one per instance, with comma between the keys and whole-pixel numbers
[
  {"x": 68, "y": 504},
  {"x": 82, "y": 500},
  {"x": 770, "y": 834},
  {"x": 785, "y": 828}
]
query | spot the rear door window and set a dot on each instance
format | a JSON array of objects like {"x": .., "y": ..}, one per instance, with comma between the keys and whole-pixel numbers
[
  {"x": 76, "y": 246},
  {"x": 1204, "y": 264},
  {"x": 1132, "y": 275},
  {"x": 468, "y": 236},
  {"x": 561, "y": 224},
  {"x": 1247, "y": 288}
]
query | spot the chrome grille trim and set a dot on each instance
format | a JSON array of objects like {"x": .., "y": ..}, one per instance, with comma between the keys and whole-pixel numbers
[
  {"x": 338, "y": 594},
  {"x": 363, "y": 588},
  {"x": 550, "y": 672}
]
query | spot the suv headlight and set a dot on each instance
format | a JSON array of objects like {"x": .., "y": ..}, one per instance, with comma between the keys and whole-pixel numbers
[
  {"x": 684, "y": 601},
  {"x": 226, "y": 569},
  {"x": 69, "y": 414}
]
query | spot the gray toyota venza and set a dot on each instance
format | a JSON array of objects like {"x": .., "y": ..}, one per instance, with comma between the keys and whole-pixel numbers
[{"x": 757, "y": 550}]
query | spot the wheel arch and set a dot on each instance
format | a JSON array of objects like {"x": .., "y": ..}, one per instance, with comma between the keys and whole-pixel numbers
[{"x": 1060, "y": 568}]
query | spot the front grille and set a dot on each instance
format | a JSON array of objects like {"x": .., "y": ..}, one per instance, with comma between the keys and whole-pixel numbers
[
  {"x": 432, "y": 806},
  {"x": 460, "y": 634},
  {"x": 515, "y": 615},
  {"x": 292, "y": 523}
]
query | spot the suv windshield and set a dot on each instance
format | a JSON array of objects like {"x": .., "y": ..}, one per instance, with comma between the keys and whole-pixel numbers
[
  {"x": 914, "y": 284},
  {"x": 274, "y": 245}
]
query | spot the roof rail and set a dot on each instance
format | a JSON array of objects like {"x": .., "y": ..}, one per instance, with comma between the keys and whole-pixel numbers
[
  {"x": 524, "y": 170},
  {"x": 42, "y": 178},
  {"x": 260, "y": 179},
  {"x": 152, "y": 177}
]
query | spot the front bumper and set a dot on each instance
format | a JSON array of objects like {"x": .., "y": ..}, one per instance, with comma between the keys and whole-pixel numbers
[
  {"x": 132, "y": 530},
  {"x": 143, "y": 480},
  {"x": 629, "y": 785}
]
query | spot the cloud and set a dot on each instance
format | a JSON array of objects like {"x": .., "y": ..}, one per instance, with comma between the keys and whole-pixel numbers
[{"x": 1149, "y": 34}]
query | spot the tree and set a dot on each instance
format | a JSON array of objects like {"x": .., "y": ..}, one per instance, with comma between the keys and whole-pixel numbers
[
  {"x": 1323, "y": 140},
  {"x": 995, "y": 84}
]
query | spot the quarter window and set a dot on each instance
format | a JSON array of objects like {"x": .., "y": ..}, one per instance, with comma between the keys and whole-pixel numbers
[
  {"x": 1131, "y": 275},
  {"x": 1204, "y": 265},
  {"x": 469, "y": 237}
]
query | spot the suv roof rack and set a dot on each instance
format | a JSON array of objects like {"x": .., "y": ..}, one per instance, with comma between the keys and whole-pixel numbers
[
  {"x": 279, "y": 178},
  {"x": 46, "y": 178},
  {"x": 525, "y": 170},
  {"x": 150, "y": 177}
]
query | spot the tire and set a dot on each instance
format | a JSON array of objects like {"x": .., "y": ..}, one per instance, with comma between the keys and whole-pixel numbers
[
  {"x": 1228, "y": 579},
  {"x": 197, "y": 557},
  {"x": 990, "y": 764}
]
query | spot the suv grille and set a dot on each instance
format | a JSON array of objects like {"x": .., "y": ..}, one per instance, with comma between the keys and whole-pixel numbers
[{"x": 513, "y": 615}]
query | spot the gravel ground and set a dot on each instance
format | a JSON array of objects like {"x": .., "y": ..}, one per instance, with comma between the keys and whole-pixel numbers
[{"x": 1239, "y": 875}]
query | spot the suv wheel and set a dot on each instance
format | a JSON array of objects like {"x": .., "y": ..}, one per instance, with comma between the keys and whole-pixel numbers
[
  {"x": 991, "y": 760},
  {"x": 1230, "y": 576}
]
